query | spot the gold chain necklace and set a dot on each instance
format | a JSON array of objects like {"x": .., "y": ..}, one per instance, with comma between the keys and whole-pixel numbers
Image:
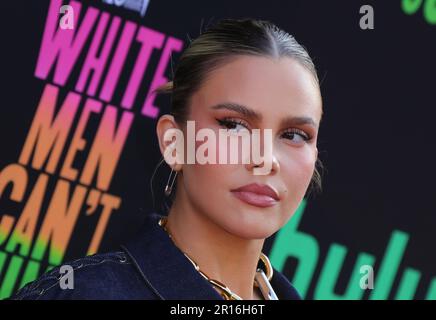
[{"x": 225, "y": 291}]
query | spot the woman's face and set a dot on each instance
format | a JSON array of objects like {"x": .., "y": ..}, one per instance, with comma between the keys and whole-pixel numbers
[{"x": 279, "y": 91}]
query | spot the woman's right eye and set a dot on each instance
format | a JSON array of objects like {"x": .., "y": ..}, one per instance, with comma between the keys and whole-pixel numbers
[{"x": 232, "y": 124}]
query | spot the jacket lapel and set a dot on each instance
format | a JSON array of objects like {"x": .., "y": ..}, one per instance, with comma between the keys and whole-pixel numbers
[
  {"x": 164, "y": 268},
  {"x": 170, "y": 275}
]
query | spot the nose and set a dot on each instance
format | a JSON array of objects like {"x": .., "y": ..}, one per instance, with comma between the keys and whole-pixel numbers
[{"x": 275, "y": 165}]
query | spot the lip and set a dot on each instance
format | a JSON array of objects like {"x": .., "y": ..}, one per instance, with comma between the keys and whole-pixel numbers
[{"x": 259, "y": 195}]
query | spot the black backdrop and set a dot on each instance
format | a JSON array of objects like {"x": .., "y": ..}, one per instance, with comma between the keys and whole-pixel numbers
[{"x": 376, "y": 139}]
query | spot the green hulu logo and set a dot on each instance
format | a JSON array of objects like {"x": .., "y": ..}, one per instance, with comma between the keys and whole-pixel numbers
[
  {"x": 290, "y": 242},
  {"x": 410, "y": 7}
]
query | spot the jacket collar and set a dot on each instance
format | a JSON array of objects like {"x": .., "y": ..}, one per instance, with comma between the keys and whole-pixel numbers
[{"x": 163, "y": 266}]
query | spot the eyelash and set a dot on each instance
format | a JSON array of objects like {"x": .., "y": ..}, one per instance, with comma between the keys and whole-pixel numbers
[{"x": 229, "y": 121}]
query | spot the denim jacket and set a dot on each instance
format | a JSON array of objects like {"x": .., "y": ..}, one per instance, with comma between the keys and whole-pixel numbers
[{"x": 149, "y": 266}]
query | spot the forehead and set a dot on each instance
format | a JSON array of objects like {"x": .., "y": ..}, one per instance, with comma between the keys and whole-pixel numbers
[{"x": 278, "y": 87}]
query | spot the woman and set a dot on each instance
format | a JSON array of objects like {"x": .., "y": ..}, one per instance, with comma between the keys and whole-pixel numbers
[{"x": 239, "y": 75}]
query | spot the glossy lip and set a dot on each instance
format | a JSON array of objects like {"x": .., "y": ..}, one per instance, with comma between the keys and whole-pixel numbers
[{"x": 260, "y": 195}]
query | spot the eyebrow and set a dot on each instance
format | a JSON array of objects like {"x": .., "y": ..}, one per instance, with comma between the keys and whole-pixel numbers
[{"x": 253, "y": 115}]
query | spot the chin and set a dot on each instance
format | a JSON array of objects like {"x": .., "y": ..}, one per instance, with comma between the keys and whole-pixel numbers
[
  {"x": 255, "y": 234},
  {"x": 251, "y": 231}
]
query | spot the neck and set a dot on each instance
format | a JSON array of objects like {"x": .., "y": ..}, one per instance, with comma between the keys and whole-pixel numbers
[{"x": 221, "y": 255}]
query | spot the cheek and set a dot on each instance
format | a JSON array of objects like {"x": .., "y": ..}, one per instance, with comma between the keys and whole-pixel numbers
[
  {"x": 201, "y": 178},
  {"x": 298, "y": 172},
  {"x": 206, "y": 186}
]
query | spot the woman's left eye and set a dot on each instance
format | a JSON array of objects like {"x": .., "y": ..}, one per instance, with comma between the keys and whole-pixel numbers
[{"x": 296, "y": 135}]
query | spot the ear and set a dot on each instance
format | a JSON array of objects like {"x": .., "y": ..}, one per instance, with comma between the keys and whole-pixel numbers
[{"x": 166, "y": 124}]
